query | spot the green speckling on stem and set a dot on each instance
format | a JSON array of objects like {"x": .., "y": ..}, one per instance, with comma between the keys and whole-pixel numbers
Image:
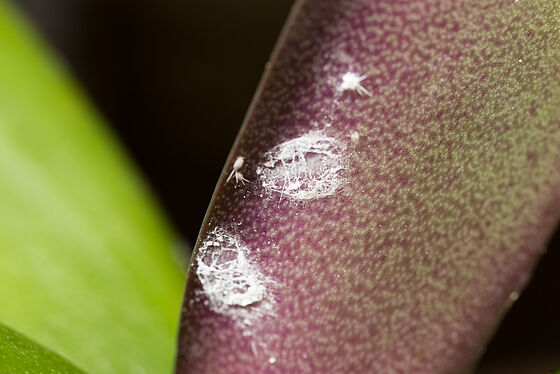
[{"x": 451, "y": 190}]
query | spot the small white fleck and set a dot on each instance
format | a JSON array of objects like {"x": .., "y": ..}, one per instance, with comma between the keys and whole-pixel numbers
[
  {"x": 353, "y": 81},
  {"x": 355, "y": 137},
  {"x": 520, "y": 60},
  {"x": 272, "y": 360},
  {"x": 513, "y": 296}
]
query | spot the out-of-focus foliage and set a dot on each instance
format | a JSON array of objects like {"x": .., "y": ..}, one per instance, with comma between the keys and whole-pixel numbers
[
  {"x": 86, "y": 265},
  {"x": 20, "y": 355}
]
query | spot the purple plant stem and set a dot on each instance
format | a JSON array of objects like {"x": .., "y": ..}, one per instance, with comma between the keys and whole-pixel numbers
[{"x": 448, "y": 191}]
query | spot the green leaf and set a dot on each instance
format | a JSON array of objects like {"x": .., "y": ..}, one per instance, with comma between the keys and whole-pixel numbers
[
  {"x": 21, "y": 355},
  {"x": 86, "y": 262}
]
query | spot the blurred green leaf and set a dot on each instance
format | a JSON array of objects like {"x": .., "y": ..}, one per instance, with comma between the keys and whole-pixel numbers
[
  {"x": 20, "y": 355},
  {"x": 86, "y": 262}
]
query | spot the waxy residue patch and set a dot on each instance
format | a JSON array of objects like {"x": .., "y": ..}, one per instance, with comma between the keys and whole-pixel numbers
[
  {"x": 305, "y": 168},
  {"x": 232, "y": 283}
]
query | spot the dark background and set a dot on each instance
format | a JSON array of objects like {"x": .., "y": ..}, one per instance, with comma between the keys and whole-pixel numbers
[{"x": 174, "y": 79}]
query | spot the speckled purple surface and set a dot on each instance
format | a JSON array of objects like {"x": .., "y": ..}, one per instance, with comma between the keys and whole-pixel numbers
[{"x": 446, "y": 188}]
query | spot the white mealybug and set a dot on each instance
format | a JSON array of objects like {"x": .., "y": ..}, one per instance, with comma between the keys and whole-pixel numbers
[
  {"x": 353, "y": 81},
  {"x": 355, "y": 137},
  {"x": 238, "y": 164}
]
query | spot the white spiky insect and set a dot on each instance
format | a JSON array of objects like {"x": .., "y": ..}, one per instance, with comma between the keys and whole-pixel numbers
[
  {"x": 238, "y": 164},
  {"x": 353, "y": 81}
]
